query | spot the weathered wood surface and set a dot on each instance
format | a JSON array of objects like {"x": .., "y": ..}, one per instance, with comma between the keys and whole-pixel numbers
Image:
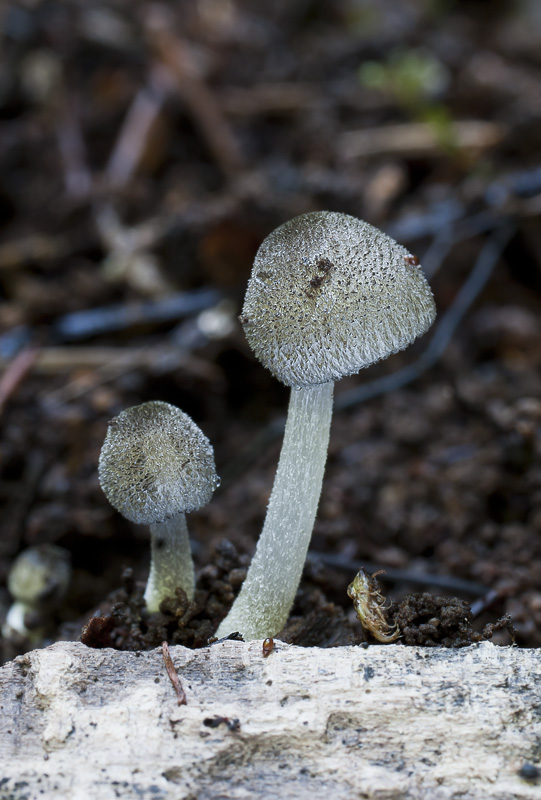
[{"x": 384, "y": 722}]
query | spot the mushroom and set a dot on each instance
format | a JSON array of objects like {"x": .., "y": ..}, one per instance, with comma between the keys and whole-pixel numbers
[
  {"x": 328, "y": 295},
  {"x": 38, "y": 581},
  {"x": 155, "y": 465}
]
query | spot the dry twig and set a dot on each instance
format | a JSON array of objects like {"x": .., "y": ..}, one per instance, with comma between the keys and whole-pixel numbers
[
  {"x": 77, "y": 176},
  {"x": 418, "y": 139},
  {"x": 171, "y": 671},
  {"x": 175, "y": 54},
  {"x": 136, "y": 131},
  {"x": 16, "y": 371}
]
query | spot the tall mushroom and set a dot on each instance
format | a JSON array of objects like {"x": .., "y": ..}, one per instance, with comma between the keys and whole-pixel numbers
[
  {"x": 155, "y": 465},
  {"x": 328, "y": 295}
]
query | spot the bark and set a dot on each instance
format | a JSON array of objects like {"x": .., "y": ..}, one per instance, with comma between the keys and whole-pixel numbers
[{"x": 383, "y": 722}]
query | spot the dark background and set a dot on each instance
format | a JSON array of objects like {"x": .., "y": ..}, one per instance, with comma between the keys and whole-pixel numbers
[{"x": 145, "y": 152}]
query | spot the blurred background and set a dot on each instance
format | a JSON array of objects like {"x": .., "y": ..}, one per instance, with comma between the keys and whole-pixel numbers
[{"x": 146, "y": 149}]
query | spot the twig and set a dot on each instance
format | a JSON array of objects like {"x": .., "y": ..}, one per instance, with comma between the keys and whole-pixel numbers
[
  {"x": 96, "y": 321},
  {"x": 128, "y": 249},
  {"x": 448, "y": 582},
  {"x": 476, "y": 281},
  {"x": 117, "y": 236},
  {"x": 418, "y": 139},
  {"x": 438, "y": 250},
  {"x": 175, "y": 54},
  {"x": 16, "y": 371},
  {"x": 414, "y": 226},
  {"x": 455, "y": 232},
  {"x": 507, "y": 195},
  {"x": 56, "y": 360},
  {"x": 487, "y": 600},
  {"x": 235, "y": 636},
  {"x": 268, "y": 98},
  {"x": 171, "y": 671},
  {"x": 32, "y": 249},
  {"x": 77, "y": 176},
  {"x": 108, "y": 363},
  {"x": 136, "y": 130},
  {"x": 520, "y": 183}
]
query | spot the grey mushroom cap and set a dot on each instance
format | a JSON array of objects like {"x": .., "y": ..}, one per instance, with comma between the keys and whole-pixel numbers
[
  {"x": 156, "y": 463},
  {"x": 330, "y": 294}
]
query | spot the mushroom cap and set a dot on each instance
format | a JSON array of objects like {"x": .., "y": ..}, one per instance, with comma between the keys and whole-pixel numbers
[
  {"x": 40, "y": 575},
  {"x": 156, "y": 463},
  {"x": 330, "y": 294}
]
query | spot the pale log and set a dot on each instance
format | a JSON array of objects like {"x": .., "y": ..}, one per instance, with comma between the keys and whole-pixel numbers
[{"x": 383, "y": 722}]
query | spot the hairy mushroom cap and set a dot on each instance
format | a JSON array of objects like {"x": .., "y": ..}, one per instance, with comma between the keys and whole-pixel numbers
[
  {"x": 155, "y": 463},
  {"x": 330, "y": 294}
]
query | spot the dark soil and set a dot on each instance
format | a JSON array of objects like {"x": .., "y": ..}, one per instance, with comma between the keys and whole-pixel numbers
[{"x": 145, "y": 152}]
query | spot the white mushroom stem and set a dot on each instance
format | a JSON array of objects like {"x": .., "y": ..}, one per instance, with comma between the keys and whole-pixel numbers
[
  {"x": 266, "y": 597},
  {"x": 15, "y": 623},
  {"x": 171, "y": 564},
  {"x": 15, "y": 619}
]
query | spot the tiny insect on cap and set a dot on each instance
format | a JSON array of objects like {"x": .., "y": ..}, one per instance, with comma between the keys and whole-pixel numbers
[
  {"x": 155, "y": 463},
  {"x": 330, "y": 294}
]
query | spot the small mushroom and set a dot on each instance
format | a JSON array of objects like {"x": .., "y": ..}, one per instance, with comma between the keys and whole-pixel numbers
[
  {"x": 38, "y": 581},
  {"x": 328, "y": 295},
  {"x": 155, "y": 465}
]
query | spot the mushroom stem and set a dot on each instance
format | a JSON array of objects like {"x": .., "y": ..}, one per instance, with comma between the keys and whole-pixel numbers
[
  {"x": 15, "y": 619},
  {"x": 266, "y": 597},
  {"x": 171, "y": 564}
]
